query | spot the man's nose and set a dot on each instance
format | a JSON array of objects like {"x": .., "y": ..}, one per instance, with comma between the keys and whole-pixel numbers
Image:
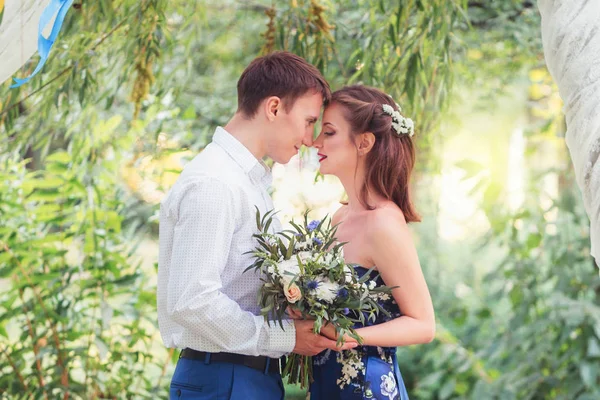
[{"x": 308, "y": 139}]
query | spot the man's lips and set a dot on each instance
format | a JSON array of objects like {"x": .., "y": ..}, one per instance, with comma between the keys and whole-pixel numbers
[{"x": 321, "y": 157}]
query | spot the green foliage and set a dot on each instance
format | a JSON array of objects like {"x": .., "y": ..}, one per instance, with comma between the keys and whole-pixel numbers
[
  {"x": 403, "y": 47},
  {"x": 503, "y": 45},
  {"x": 77, "y": 313},
  {"x": 532, "y": 330},
  {"x": 77, "y": 316}
]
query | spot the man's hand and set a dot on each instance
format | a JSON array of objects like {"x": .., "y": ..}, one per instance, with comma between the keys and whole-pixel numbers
[
  {"x": 294, "y": 313},
  {"x": 310, "y": 344}
]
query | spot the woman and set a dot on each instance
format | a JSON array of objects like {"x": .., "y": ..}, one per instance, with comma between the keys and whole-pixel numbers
[{"x": 368, "y": 145}]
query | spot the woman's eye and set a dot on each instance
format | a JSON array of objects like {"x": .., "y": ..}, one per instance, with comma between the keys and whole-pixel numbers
[{"x": 328, "y": 133}]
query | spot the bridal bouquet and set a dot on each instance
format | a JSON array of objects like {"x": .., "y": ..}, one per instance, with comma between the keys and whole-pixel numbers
[{"x": 303, "y": 269}]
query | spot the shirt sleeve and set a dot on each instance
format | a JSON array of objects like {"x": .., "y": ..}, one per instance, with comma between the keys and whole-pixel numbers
[{"x": 204, "y": 227}]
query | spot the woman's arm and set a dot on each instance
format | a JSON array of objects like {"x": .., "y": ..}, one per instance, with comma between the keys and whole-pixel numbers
[{"x": 393, "y": 252}]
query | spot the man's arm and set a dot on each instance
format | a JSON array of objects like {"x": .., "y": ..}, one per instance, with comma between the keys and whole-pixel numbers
[{"x": 204, "y": 227}]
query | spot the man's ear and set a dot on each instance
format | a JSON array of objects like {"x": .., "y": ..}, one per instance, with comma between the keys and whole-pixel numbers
[
  {"x": 366, "y": 141},
  {"x": 272, "y": 107}
]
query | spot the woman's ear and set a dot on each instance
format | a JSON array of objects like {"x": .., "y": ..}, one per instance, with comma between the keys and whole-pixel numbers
[
  {"x": 272, "y": 107},
  {"x": 366, "y": 141}
]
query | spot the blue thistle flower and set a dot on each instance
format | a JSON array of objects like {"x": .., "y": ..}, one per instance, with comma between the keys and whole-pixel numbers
[
  {"x": 346, "y": 311},
  {"x": 343, "y": 292},
  {"x": 312, "y": 285},
  {"x": 313, "y": 225},
  {"x": 318, "y": 241}
]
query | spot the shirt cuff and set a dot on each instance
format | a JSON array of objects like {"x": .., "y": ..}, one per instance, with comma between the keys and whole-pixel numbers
[{"x": 279, "y": 342}]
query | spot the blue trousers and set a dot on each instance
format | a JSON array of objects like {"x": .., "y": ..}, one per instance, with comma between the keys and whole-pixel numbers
[{"x": 195, "y": 379}]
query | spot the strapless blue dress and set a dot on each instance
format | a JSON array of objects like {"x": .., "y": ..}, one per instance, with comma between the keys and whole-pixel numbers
[{"x": 365, "y": 372}]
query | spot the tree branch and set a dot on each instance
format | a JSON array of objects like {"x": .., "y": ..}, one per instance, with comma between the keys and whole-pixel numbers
[{"x": 487, "y": 22}]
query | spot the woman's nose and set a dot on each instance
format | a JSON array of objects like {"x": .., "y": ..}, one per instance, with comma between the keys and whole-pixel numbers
[{"x": 318, "y": 142}]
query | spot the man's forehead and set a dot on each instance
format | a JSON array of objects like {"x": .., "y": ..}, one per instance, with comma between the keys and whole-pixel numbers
[
  {"x": 311, "y": 97},
  {"x": 309, "y": 105}
]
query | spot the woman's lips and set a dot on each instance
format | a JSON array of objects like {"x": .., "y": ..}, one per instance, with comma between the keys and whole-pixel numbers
[{"x": 321, "y": 157}]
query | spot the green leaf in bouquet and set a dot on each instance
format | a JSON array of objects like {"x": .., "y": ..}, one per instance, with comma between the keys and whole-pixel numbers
[
  {"x": 290, "y": 249},
  {"x": 255, "y": 265},
  {"x": 258, "y": 218},
  {"x": 297, "y": 227},
  {"x": 266, "y": 309},
  {"x": 282, "y": 247},
  {"x": 366, "y": 276},
  {"x": 318, "y": 228},
  {"x": 300, "y": 264},
  {"x": 364, "y": 296},
  {"x": 285, "y": 234},
  {"x": 338, "y": 247},
  {"x": 264, "y": 243},
  {"x": 318, "y": 325},
  {"x": 267, "y": 220},
  {"x": 330, "y": 232},
  {"x": 268, "y": 224}
]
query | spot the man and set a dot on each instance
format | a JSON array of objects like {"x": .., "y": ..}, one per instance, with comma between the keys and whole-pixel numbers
[{"x": 206, "y": 304}]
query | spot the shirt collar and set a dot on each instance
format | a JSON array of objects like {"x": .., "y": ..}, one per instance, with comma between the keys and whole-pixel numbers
[{"x": 256, "y": 169}]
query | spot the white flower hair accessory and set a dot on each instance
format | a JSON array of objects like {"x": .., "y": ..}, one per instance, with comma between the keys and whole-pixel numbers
[{"x": 400, "y": 124}]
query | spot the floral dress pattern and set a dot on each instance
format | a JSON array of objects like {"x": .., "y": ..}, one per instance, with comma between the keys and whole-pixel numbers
[{"x": 365, "y": 372}]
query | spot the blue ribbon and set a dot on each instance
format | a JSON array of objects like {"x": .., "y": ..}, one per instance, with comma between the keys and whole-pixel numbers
[{"x": 45, "y": 44}]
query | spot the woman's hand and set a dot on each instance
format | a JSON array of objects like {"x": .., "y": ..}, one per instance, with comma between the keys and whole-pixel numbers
[{"x": 328, "y": 330}]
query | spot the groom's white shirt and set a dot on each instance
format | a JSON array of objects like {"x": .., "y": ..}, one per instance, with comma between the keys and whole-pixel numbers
[{"x": 205, "y": 300}]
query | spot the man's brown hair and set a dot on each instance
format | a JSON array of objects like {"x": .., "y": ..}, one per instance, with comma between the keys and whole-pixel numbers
[{"x": 280, "y": 74}]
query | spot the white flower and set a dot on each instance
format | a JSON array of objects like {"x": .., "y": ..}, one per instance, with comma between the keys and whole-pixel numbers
[
  {"x": 409, "y": 127},
  {"x": 305, "y": 256},
  {"x": 388, "y": 109},
  {"x": 328, "y": 258},
  {"x": 372, "y": 285},
  {"x": 350, "y": 371},
  {"x": 400, "y": 124},
  {"x": 380, "y": 296},
  {"x": 327, "y": 290},
  {"x": 347, "y": 274},
  {"x": 271, "y": 270},
  {"x": 388, "y": 386},
  {"x": 289, "y": 267},
  {"x": 384, "y": 296},
  {"x": 352, "y": 365},
  {"x": 301, "y": 245}
]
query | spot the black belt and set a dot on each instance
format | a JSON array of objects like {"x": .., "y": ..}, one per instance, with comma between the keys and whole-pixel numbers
[{"x": 260, "y": 363}]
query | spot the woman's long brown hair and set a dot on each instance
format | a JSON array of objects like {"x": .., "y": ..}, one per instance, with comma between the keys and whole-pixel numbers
[{"x": 390, "y": 162}]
